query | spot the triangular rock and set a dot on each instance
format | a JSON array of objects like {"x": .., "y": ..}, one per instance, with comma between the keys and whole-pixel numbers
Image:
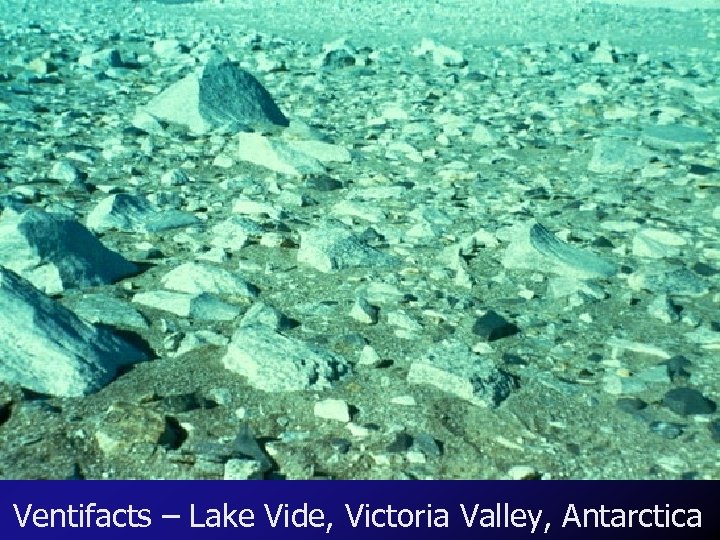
[
  {"x": 219, "y": 95},
  {"x": 45, "y": 347},
  {"x": 55, "y": 252}
]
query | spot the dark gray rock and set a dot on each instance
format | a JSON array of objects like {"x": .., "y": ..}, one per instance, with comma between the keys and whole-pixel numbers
[
  {"x": 492, "y": 326},
  {"x": 46, "y": 348},
  {"x": 55, "y": 252},
  {"x": 687, "y": 401}
]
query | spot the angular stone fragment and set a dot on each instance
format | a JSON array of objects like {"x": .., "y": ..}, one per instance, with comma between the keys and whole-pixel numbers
[
  {"x": 275, "y": 363},
  {"x": 492, "y": 326},
  {"x": 219, "y": 95},
  {"x": 204, "y": 307},
  {"x": 675, "y": 137},
  {"x": 199, "y": 278},
  {"x": 533, "y": 247},
  {"x": 46, "y": 348},
  {"x": 334, "y": 247},
  {"x": 453, "y": 368},
  {"x": 442, "y": 55},
  {"x": 276, "y": 155},
  {"x": 134, "y": 213},
  {"x": 105, "y": 309},
  {"x": 685, "y": 401},
  {"x": 657, "y": 243},
  {"x": 55, "y": 252},
  {"x": 611, "y": 156}
]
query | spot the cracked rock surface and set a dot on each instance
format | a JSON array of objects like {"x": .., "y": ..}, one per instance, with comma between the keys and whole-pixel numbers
[{"x": 254, "y": 240}]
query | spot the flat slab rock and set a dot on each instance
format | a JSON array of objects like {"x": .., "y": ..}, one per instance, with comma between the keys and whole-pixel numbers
[
  {"x": 276, "y": 363},
  {"x": 533, "y": 247},
  {"x": 55, "y": 252},
  {"x": 46, "y": 348},
  {"x": 332, "y": 246},
  {"x": 133, "y": 213}
]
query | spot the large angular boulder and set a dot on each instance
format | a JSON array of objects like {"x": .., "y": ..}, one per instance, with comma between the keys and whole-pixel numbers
[
  {"x": 220, "y": 94},
  {"x": 55, "y": 252},
  {"x": 46, "y": 348}
]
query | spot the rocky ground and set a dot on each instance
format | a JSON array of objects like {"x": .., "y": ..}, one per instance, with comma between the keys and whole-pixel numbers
[{"x": 431, "y": 240}]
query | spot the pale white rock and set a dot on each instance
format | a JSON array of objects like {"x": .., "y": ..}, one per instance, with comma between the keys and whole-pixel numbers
[
  {"x": 244, "y": 205},
  {"x": 198, "y": 278},
  {"x": 322, "y": 151},
  {"x": 612, "y": 156},
  {"x": 333, "y": 246},
  {"x": 243, "y": 469},
  {"x": 662, "y": 308},
  {"x": 275, "y": 154},
  {"x": 234, "y": 233},
  {"x": 55, "y": 252},
  {"x": 453, "y": 368},
  {"x": 482, "y": 135},
  {"x": 442, "y": 55},
  {"x": 368, "y": 356},
  {"x": 105, "y": 309},
  {"x": 533, "y": 247},
  {"x": 198, "y": 339},
  {"x": 46, "y": 348},
  {"x": 657, "y": 243},
  {"x": 675, "y": 137},
  {"x": 275, "y": 363},
  {"x": 167, "y": 48},
  {"x": 201, "y": 306},
  {"x": 135, "y": 213},
  {"x": 332, "y": 409},
  {"x": 363, "y": 312},
  {"x": 64, "y": 171},
  {"x": 619, "y": 344}
]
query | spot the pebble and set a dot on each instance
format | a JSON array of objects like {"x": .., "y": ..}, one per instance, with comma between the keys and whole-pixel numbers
[{"x": 332, "y": 409}]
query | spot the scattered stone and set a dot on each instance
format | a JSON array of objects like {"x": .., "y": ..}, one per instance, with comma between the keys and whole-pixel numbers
[
  {"x": 243, "y": 469},
  {"x": 688, "y": 401},
  {"x": 262, "y": 314},
  {"x": 714, "y": 428},
  {"x": 54, "y": 252},
  {"x": 276, "y": 155},
  {"x": 523, "y": 472},
  {"x": 657, "y": 243},
  {"x": 202, "y": 306},
  {"x": 102, "y": 308},
  {"x": 453, "y": 368},
  {"x": 275, "y": 363},
  {"x": 332, "y": 409},
  {"x": 427, "y": 444},
  {"x": 46, "y": 348},
  {"x": 492, "y": 327},
  {"x": 675, "y": 137},
  {"x": 363, "y": 312},
  {"x": 134, "y": 213},
  {"x": 533, "y": 247},
  {"x": 126, "y": 428},
  {"x": 677, "y": 368},
  {"x": 442, "y": 55},
  {"x": 631, "y": 405},
  {"x": 613, "y": 156},
  {"x": 197, "y": 278},
  {"x": 333, "y": 246},
  {"x": 369, "y": 357},
  {"x": 667, "y": 430},
  {"x": 402, "y": 443}
]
